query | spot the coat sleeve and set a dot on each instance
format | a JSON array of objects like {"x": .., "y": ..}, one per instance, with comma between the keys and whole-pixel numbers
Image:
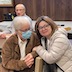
[
  {"x": 36, "y": 42},
  {"x": 10, "y": 62},
  {"x": 56, "y": 50}
]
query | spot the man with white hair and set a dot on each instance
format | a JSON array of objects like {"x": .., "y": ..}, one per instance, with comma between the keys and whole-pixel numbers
[
  {"x": 20, "y": 11},
  {"x": 17, "y": 54}
]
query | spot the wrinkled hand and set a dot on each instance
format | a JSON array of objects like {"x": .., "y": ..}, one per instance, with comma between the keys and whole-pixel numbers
[{"x": 29, "y": 60}]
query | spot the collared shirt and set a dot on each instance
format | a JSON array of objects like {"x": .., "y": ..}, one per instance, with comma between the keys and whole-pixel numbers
[{"x": 22, "y": 45}]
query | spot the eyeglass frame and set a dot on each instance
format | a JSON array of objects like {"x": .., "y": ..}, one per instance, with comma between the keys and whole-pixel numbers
[
  {"x": 45, "y": 26},
  {"x": 25, "y": 30}
]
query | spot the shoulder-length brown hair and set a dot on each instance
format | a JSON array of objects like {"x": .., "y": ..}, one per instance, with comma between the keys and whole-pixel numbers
[{"x": 49, "y": 21}]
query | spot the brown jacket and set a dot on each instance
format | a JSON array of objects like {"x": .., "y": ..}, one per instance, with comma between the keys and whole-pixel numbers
[{"x": 11, "y": 53}]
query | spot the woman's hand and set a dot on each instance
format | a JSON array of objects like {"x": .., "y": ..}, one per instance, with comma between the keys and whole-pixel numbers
[{"x": 34, "y": 49}]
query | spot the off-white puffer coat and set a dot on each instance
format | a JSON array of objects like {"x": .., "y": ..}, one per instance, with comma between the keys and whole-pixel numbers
[{"x": 59, "y": 51}]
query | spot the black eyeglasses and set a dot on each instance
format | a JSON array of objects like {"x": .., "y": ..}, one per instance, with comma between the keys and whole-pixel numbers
[{"x": 41, "y": 27}]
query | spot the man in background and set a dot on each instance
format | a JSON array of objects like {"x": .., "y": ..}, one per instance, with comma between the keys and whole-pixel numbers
[{"x": 20, "y": 10}]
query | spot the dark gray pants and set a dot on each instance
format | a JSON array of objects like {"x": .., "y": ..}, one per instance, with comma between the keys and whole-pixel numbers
[{"x": 50, "y": 67}]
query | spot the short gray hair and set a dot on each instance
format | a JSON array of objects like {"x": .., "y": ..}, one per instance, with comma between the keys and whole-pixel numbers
[{"x": 19, "y": 21}]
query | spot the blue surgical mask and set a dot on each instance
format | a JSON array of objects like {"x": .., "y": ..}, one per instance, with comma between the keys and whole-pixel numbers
[{"x": 27, "y": 34}]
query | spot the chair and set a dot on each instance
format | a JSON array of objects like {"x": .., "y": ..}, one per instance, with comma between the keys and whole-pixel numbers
[{"x": 38, "y": 65}]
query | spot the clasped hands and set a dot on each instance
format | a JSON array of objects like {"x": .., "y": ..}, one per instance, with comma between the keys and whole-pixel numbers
[{"x": 29, "y": 60}]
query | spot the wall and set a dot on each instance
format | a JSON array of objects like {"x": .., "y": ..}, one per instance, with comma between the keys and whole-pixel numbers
[{"x": 56, "y": 9}]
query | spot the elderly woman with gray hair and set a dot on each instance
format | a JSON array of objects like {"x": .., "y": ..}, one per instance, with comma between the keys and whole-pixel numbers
[{"x": 17, "y": 54}]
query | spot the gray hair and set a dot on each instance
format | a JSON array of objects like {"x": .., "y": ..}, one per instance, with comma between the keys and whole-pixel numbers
[{"x": 19, "y": 21}]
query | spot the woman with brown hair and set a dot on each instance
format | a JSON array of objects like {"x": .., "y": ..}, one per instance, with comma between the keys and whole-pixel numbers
[{"x": 56, "y": 48}]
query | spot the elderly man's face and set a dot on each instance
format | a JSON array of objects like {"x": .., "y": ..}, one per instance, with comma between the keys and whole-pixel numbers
[
  {"x": 20, "y": 11},
  {"x": 24, "y": 28}
]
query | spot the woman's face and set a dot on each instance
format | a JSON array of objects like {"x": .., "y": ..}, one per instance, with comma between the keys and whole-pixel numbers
[{"x": 45, "y": 29}]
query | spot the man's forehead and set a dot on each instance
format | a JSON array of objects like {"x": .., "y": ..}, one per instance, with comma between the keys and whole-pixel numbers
[
  {"x": 19, "y": 7},
  {"x": 25, "y": 26}
]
